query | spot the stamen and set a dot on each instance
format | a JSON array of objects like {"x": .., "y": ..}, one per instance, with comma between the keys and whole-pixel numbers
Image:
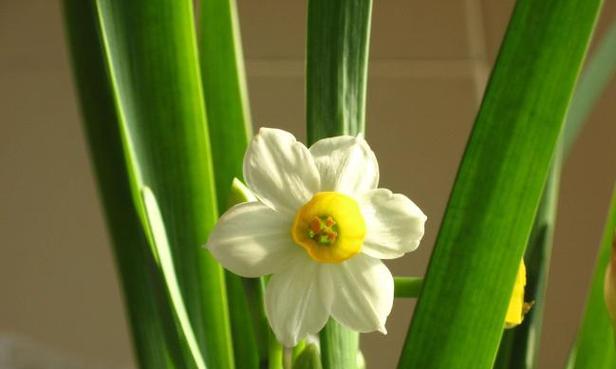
[{"x": 323, "y": 230}]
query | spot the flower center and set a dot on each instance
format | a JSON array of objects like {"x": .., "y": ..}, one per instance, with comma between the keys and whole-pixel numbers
[
  {"x": 323, "y": 230},
  {"x": 329, "y": 227}
]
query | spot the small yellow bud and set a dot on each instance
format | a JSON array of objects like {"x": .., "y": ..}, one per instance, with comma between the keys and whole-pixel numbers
[{"x": 517, "y": 307}]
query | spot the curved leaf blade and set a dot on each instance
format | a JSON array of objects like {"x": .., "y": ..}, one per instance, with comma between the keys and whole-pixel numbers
[
  {"x": 151, "y": 53},
  {"x": 161, "y": 253},
  {"x": 519, "y": 347},
  {"x": 101, "y": 123},
  {"x": 226, "y": 99},
  {"x": 459, "y": 317},
  {"x": 595, "y": 344}
]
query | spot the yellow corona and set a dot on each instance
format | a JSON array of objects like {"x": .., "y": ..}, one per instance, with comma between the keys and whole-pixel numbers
[{"x": 330, "y": 227}]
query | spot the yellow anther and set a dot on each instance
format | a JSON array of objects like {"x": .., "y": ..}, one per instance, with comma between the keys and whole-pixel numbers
[{"x": 323, "y": 230}]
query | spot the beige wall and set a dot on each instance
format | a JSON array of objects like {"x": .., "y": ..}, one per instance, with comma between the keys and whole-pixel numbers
[{"x": 429, "y": 63}]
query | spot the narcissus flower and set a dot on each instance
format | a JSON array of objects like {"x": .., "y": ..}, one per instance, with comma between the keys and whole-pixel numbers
[{"x": 319, "y": 226}]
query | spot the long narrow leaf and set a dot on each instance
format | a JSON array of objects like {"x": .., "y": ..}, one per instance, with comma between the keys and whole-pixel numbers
[
  {"x": 594, "y": 348},
  {"x": 459, "y": 317},
  {"x": 224, "y": 90},
  {"x": 152, "y": 60},
  {"x": 101, "y": 124},
  {"x": 519, "y": 347},
  {"x": 337, "y": 63},
  {"x": 161, "y": 253},
  {"x": 225, "y": 93}
]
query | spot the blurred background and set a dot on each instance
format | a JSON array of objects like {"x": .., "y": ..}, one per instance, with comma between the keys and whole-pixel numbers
[{"x": 430, "y": 60}]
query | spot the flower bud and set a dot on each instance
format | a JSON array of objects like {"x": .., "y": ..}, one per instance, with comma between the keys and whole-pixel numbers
[
  {"x": 309, "y": 358},
  {"x": 517, "y": 307},
  {"x": 609, "y": 286}
]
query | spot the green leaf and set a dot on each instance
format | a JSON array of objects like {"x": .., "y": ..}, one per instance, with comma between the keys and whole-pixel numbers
[
  {"x": 519, "y": 347},
  {"x": 187, "y": 345},
  {"x": 458, "y": 321},
  {"x": 275, "y": 352},
  {"x": 224, "y": 90},
  {"x": 151, "y": 53},
  {"x": 336, "y": 72},
  {"x": 246, "y": 305},
  {"x": 226, "y": 98},
  {"x": 101, "y": 123},
  {"x": 594, "y": 347}
]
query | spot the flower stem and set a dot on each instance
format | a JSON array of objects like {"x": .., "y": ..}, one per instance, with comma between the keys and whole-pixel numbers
[
  {"x": 275, "y": 353},
  {"x": 287, "y": 358},
  {"x": 407, "y": 287}
]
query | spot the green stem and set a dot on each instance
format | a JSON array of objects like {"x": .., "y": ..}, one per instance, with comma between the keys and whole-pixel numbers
[
  {"x": 275, "y": 353},
  {"x": 407, "y": 287},
  {"x": 336, "y": 69},
  {"x": 339, "y": 346},
  {"x": 255, "y": 290}
]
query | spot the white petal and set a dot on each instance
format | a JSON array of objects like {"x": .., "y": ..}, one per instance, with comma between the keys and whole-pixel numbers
[
  {"x": 293, "y": 302},
  {"x": 364, "y": 293},
  {"x": 394, "y": 224},
  {"x": 252, "y": 240},
  {"x": 346, "y": 164},
  {"x": 280, "y": 170}
]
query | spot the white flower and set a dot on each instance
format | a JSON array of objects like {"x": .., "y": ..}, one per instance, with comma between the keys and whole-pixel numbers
[{"x": 320, "y": 226}]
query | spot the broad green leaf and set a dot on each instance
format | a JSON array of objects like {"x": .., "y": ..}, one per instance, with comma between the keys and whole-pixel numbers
[
  {"x": 101, "y": 123},
  {"x": 458, "y": 320},
  {"x": 519, "y": 347},
  {"x": 594, "y": 347},
  {"x": 161, "y": 253},
  {"x": 336, "y": 69},
  {"x": 224, "y": 89},
  {"x": 151, "y": 53}
]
